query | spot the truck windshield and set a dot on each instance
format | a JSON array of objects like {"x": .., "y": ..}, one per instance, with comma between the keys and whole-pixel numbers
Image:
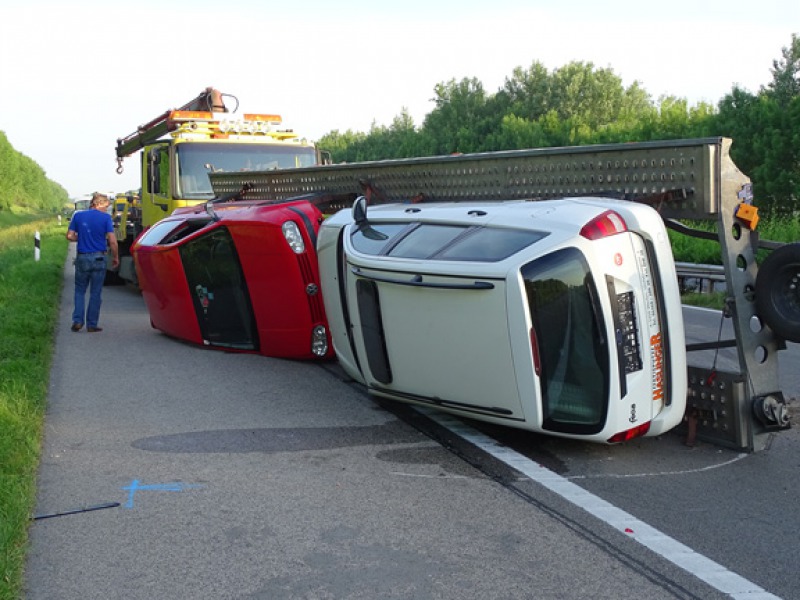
[
  {"x": 567, "y": 319},
  {"x": 196, "y": 160}
]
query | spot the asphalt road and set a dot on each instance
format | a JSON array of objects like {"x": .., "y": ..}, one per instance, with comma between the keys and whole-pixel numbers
[
  {"x": 171, "y": 471},
  {"x": 736, "y": 509}
]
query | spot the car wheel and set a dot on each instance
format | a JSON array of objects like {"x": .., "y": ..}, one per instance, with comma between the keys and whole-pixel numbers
[{"x": 778, "y": 291}]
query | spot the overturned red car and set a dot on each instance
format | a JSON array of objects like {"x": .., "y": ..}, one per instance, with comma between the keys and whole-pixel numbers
[{"x": 239, "y": 276}]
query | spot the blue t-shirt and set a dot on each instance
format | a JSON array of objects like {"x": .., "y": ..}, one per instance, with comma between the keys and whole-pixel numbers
[{"x": 91, "y": 226}]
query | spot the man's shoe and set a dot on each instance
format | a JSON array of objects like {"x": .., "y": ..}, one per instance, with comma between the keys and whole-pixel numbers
[
  {"x": 76, "y": 326},
  {"x": 94, "y": 329}
]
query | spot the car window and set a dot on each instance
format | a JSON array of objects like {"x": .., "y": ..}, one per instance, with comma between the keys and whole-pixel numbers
[
  {"x": 169, "y": 232},
  {"x": 568, "y": 327},
  {"x": 442, "y": 242},
  {"x": 157, "y": 232},
  {"x": 426, "y": 240},
  {"x": 489, "y": 244},
  {"x": 372, "y": 238},
  {"x": 219, "y": 291}
]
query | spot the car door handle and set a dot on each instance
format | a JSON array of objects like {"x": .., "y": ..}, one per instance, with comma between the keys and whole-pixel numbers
[{"x": 416, "y": 281}]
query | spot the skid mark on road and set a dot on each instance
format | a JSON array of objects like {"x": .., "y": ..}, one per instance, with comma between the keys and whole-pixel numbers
[
  {"x": 659, "y": 473},
  {"x": 294, "y": 439}
]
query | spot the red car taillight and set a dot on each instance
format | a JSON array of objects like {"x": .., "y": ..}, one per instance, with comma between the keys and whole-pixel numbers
[
  {"x": 609, "y": 223},
  {"x": 537, "y": 361},
  {"x": 629, "y": 434}
]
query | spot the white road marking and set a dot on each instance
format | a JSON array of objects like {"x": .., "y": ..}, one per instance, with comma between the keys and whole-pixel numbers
[{"x": 703, "y": 568}]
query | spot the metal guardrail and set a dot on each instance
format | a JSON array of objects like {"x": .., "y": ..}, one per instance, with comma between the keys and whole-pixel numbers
[{"x": 702, "y": 279}]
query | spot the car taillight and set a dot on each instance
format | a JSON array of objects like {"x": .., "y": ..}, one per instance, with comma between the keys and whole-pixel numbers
[
  {"x": 537, "y": 361},
  {"x": 629, "y": 434},
  {"x": 609, "y": 223}
]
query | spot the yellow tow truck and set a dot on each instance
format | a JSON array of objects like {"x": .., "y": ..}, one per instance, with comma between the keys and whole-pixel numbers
[
  {"x": 181, "y": 147},
  {"x": 126, "y": 212}
]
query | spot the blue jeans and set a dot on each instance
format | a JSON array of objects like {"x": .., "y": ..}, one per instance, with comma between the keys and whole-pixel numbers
[{"x": 90, "y": 273}]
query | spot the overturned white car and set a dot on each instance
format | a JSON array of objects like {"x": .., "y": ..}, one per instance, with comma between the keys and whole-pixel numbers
[{"x": 561, "y": 316}]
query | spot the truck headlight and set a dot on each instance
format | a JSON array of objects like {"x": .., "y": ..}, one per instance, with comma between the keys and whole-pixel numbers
[
  {"x": 319, "y": 341},
  {"x": 293, "y": 237}
]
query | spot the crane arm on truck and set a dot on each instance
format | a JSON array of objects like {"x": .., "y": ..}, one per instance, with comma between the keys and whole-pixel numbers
[
  {"x": 209, "y": 101},
  {"x": 692, "y": 179}
]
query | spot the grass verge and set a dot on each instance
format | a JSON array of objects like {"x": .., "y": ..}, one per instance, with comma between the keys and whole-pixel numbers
[
  {"x": 713, "y": 300},
  {"x": 29, "y": 308}
]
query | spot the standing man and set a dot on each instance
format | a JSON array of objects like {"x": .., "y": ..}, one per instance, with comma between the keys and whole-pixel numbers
[{"x": 94, "y": 232}]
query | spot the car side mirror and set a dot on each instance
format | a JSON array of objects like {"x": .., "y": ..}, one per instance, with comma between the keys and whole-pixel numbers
[
  {"x": 360, "y": 210},
  {"x": 362, "y": 224}
]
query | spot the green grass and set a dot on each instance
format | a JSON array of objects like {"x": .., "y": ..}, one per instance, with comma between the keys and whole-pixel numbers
[
  {"x": 29, "y": 305},
  {"x": 694, "y": 250},
  {"x": 712, "y": 300}
]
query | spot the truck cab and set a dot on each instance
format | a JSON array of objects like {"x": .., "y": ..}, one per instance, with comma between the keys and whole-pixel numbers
[{"x": 181, "y": 147}]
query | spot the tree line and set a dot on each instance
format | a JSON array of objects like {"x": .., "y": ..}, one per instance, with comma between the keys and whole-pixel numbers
[
  {"x": 23, "y": 183},
  {"x": 573, "y": 105},
  {"x": 579, "y": 104}
]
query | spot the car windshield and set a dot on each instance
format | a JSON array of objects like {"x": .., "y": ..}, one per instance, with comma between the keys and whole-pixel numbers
[
  {"x": 157, "y": 232},
  {"x": 574, "y": 354},
  {"x": 169, "y": 232},
  {"x": 197, "y": 160}
]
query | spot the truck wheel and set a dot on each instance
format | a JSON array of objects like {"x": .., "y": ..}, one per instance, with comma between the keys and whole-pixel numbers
[{"x": 778, "y": 291}]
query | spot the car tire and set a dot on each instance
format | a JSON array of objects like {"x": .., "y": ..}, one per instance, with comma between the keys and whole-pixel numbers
[{"x": 778, "y": 291}]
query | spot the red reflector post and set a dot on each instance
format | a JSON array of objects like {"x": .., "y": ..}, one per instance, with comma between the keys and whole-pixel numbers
[
  {"x": 629, "y": 434},
  {"x": 608, "y": 223}
]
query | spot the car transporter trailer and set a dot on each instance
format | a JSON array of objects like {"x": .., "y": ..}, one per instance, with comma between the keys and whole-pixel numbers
[{"x": 692, "y": 179}]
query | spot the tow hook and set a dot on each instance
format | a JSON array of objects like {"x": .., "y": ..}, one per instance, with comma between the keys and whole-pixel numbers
[{"x": 771, "y": 411}]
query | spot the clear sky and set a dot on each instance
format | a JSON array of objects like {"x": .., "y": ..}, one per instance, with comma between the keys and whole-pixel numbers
[{"x": 76, "y": 76}]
